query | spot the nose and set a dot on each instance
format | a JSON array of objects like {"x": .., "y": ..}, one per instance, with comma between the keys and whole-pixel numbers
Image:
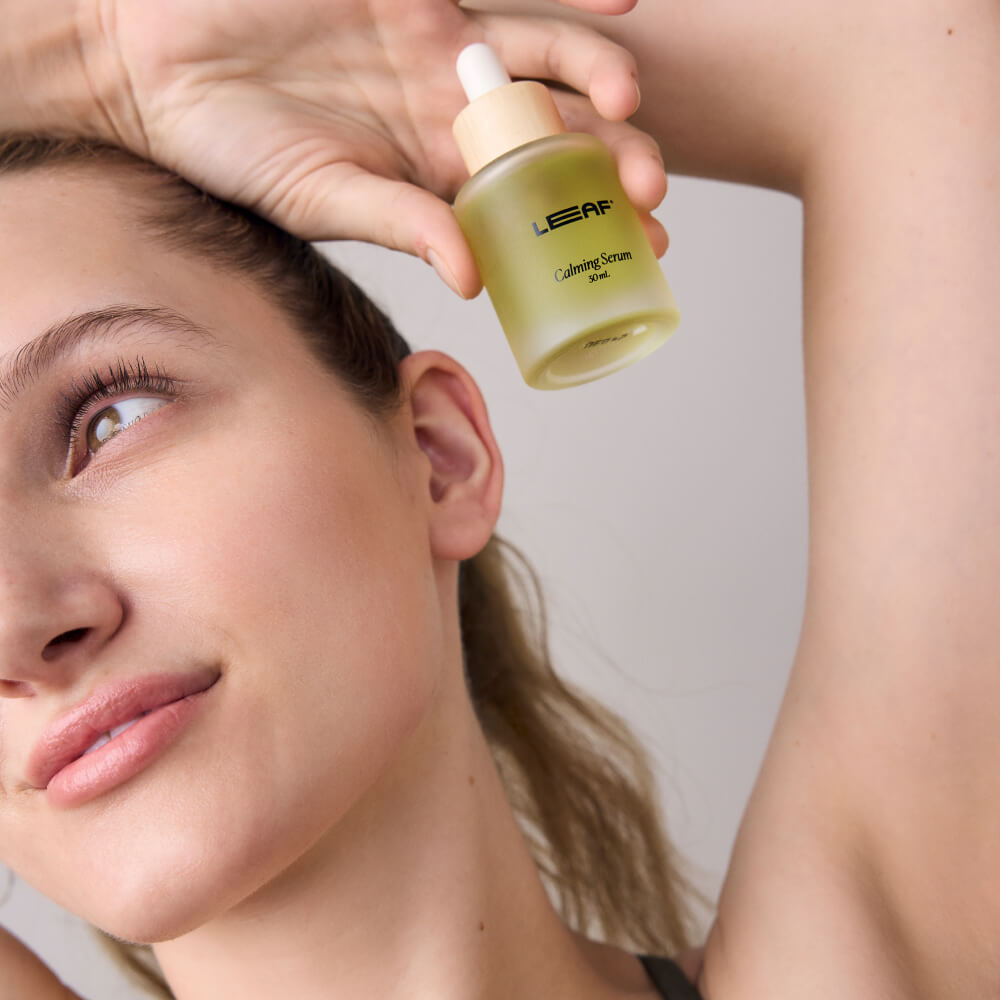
[{"x": 53, "y": 622}]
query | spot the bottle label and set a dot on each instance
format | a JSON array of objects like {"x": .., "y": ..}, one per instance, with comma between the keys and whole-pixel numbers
[
  {"x": 573, "y": 213},
  {"x": 594, "y": 268}
]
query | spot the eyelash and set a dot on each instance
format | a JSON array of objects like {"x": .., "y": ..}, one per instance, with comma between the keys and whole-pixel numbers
[{"x": 122, "y": 377}]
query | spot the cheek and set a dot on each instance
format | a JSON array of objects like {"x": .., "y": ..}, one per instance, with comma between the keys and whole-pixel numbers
[
  {"x": 314, "y": 564},
  {"x": 313, "y": 584},
  {"x": 307, "y": 558}
]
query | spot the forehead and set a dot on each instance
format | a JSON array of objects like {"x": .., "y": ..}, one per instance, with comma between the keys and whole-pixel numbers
[
  {"x": 55, "y": 215},
  {"x": 69, "y": 238},
  {"x": 71, "y": 242}
]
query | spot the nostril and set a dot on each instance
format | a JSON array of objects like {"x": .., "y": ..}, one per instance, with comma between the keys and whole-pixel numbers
[{"x": 72, "y": 635}]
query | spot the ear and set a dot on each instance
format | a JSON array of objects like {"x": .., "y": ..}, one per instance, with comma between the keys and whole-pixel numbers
[{"x": 464, "y": 477}]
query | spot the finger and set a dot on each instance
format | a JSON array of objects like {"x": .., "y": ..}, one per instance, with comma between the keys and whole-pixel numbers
[
  {"x": 345, "y": 202},
  {"x": 540, "y": 48},
  {"x": 637, "y": 155},
  {"x": 658, "y": 238}
]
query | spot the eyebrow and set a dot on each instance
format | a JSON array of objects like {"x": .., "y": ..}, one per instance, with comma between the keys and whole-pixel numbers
[{"x": 22, "y": 368}]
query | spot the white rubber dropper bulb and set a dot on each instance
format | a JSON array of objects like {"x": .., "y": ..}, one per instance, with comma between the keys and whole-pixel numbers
[{"x": 480, "y": 70}]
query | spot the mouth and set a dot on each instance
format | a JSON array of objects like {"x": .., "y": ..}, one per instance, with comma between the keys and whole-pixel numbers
[
  {"x": 110, "y": 735},
  {"x": 117, "y": 724},
  {"x": 113, "y": 763}
]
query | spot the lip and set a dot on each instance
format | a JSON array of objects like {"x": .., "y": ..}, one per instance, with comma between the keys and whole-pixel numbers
[{"x": 112, "y": 705}]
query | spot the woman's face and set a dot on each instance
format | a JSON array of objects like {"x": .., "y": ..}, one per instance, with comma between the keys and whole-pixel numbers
[{"x": 242, "y": 524}]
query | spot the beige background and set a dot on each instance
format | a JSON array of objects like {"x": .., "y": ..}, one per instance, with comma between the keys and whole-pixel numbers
[{"x": 665, "y": 508}]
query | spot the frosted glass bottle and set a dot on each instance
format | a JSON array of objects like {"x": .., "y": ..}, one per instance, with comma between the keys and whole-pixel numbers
[{"x": 563, "y": 256}]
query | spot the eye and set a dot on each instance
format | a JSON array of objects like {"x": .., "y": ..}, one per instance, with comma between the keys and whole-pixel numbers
[
  {"x": 113, "y": 419},
  {"x": 87, "y": 426}
]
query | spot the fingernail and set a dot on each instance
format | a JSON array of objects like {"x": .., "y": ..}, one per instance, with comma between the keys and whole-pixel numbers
[
  {"x": 444, "y": 272},
  {"x": 638, "y": 93}
]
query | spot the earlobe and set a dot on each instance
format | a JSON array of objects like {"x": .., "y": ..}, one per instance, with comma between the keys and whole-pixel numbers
[{"x": 465, "y": 470}]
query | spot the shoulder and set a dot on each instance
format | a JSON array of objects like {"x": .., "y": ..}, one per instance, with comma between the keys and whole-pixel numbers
[{"x": 24, "y": 974}]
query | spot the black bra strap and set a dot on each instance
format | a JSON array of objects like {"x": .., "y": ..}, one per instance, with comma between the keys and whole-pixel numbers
[{"x": 669, "y": 978}]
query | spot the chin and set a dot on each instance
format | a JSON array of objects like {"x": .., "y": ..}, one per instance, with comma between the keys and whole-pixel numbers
[
  {"x": 140, "y": 887},
  {"x": 153, "y": 924},
  {"x": 182, "y": 880},
  {"x": 163, "y": 914}
]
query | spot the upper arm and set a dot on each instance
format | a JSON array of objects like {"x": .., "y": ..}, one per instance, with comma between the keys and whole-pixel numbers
[{"x": 882, "y": 768}]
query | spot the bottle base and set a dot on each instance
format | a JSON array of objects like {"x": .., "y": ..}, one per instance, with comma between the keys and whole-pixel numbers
[{"x": 602, "y": 350}]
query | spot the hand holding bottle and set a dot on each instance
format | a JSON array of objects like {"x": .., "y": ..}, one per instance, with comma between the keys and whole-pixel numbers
[
  {"x": 560, "y": 250},
  {"x": 332, "y": 119}
]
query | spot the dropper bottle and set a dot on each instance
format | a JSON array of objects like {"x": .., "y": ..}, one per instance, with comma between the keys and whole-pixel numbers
[{"x": 561, "y": 251}]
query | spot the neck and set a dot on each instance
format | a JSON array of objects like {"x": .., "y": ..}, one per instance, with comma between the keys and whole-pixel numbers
[{"x": 426, "y": 889}]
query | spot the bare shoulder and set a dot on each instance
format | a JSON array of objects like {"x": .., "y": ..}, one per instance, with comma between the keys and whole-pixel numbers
[{"x": 24, "y": 974}]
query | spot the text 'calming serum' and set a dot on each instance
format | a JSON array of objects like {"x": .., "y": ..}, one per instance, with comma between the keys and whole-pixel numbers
[{"x": 561, "y": 251}]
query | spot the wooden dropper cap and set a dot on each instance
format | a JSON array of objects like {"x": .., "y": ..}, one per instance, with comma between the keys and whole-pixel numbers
[{"x": 501, "y": 115}]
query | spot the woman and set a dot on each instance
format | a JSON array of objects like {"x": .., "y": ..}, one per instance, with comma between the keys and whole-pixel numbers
[
  {"x": 290, "y": 583},
  {"x": 871, "y": 873}
]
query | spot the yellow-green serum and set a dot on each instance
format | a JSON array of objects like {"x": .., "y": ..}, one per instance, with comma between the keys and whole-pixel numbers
[{"x": 564, "y": 258}]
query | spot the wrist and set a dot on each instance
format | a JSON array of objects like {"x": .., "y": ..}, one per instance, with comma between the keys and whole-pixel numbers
[{"x": 58, "y": 74}]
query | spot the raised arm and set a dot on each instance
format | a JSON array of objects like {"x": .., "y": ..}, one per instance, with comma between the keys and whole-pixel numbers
[
  {"x": 332, "y": 119},
  {"x": 867, "y": 863}
]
